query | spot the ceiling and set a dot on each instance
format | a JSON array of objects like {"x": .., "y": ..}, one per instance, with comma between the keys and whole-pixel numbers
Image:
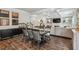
[
  {"x": 63, "y": 12},
  {"x": 31, "y": 10}
]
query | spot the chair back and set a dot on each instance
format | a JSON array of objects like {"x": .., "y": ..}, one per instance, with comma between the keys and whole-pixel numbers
[
  {"x": 30, "y": 34},
  {"x": 25, "y": 32},
  {"x": 37, "y": 36}
]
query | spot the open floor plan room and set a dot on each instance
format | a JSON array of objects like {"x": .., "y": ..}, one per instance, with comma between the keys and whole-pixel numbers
[{"x": 39, "y": 28}]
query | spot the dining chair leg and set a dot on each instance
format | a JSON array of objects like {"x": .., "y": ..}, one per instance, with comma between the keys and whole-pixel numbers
[
  {"x": 38, "y": 44},
  {"x": 32, "y": 42}
]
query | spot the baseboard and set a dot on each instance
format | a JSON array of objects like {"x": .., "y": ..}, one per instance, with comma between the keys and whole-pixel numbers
[{"x": 60, "y": 36}]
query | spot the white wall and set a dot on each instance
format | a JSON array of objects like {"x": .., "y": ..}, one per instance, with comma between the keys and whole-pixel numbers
[
  {"x": 50, "y": 12},
  {"x": 23, "y": 17},
  {"x": 43, "y": 14},
  {"x": 35, "y": 17}
]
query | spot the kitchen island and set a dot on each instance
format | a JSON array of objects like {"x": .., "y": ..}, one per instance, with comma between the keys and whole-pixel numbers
[
  {"x": 56, "y": 31},
  {"x": 75, "y": 39}
]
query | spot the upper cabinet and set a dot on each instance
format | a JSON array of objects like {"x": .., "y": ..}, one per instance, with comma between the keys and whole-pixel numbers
[
  {"x": 5, "y": 20},
  {"x": 15, "y": 18},
  {"x": 15, "y": 15},
  {"x": 4, "y": 17},
  {"x": 4, "y": 13}
]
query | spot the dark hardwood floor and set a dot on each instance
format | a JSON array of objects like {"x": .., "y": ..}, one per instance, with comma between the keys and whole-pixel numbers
[{"x": 17, "y": 43}]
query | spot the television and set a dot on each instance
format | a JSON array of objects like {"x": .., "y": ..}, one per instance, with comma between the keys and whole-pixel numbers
[{"x": 56, "y": 20}]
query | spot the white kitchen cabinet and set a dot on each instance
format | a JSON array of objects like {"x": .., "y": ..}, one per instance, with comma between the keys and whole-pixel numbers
[
  {"x": 52, "y": 31},
  {"x": 60, "y": 31}
]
